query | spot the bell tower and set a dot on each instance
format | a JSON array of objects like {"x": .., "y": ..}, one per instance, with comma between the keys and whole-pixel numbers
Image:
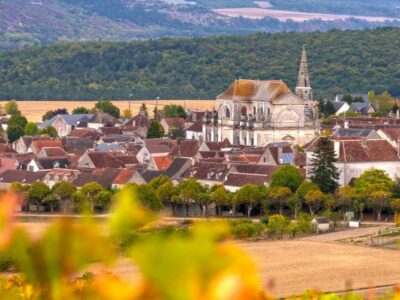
[{"x": 303, "y": 88}]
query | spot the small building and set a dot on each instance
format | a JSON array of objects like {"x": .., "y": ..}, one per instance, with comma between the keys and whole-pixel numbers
[{"x": 320, "y": 224}]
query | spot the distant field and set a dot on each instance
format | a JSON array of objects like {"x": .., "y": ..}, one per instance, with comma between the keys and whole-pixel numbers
[
  {"x": 34, "y": 110},
  {"x": 283, "y": 15}
]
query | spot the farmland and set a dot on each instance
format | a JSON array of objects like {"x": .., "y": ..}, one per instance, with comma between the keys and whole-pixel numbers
[
  {"x": 289, "y": 267},
  {"x": 34, "y": 110}
]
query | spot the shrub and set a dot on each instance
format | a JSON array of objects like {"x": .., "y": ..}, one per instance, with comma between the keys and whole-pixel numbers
[{"x": 242, "y": 229}]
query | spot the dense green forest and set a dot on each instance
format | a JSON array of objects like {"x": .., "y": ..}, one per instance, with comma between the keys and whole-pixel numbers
[{"x": 201, "y": 68}]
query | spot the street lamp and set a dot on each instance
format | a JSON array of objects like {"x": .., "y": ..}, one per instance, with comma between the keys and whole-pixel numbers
[{"x": 129, "y": 103}]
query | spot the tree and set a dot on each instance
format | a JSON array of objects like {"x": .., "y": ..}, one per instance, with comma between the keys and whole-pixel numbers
[
  {"x": 395, "y": 206},
  {"x": 204, "y": 201},
  {"x": 31, "y": 129},
  {"x": 104, "y": 198},
  {"x": 220, "y": 197},
  {"x": 48, "y": 115},
  {"x": 313, "y": 199},
  {"x": 188, "y": 191},
  {"x": 279, "y": 196},
  {"x": 11, "y": 108},
  {"x": 90, "y": 192},
  {"x": 277, "y": 224},
  {"x": 385, "y": 103},
  {"x": 63, "y": 192},
  {"x": 14, "y": 133},
  {"x": 372, "y": 97},
  {"x": 348, "y": 99},
  {"x": 17, "y": 120},
  {"x": 373, "y": 180},
  {"x": 378, "y": 200},
  {"x": 322, "y": 168},
  {"x": 126, "y": 114},
  {"x": 50, "y": 131},
  {"x": 249, "y": 195},
  {"x": 80, "y": 110},
  {"x": 155, "y": 130},
  {"x": 38, "y": 192},
  {"x": 143, "y": 110},
  {"x": 326, "y": 108},
  {"x": 287, "y": 176},
  {"x": 174, "y": 111},
  {"x": 51, "y": 113},
  {"x": 108, "y": 107},
  {"x": 148, "y": 198},
  {"x": 344, "y": 199}
]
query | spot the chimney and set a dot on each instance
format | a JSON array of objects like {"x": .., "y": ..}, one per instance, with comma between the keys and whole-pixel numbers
[
  {"x": 346, "y": 124},
  {"x": 336, "y": 147},
  {"x": 194, "y": 117}
]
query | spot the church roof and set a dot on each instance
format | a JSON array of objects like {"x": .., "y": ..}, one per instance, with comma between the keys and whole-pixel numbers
[{"x": 245, "y": 89}]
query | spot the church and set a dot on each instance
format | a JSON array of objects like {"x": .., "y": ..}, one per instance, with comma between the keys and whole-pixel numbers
[{"x": 259, "y": 112}]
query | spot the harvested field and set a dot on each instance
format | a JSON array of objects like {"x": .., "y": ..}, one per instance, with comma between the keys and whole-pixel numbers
[
  {"x": 291, "y": 267},
  {"x": 34, "y": 110},
  {"x": 284, "y": 15}
]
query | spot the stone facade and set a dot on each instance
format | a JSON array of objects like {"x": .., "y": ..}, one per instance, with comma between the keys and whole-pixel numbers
[{"x": 256, "y": 113}]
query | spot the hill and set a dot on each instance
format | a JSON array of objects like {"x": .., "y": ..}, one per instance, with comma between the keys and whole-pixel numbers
[
  {"x": 201, "y": 68},
  {"x": 25, "y": 23}
]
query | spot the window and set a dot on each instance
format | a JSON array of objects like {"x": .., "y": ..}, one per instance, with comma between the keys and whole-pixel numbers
[
  {"x": 227, "y": 113},
  {"x": 252, "y": 141},
  {"x": 244, "y": 141}
]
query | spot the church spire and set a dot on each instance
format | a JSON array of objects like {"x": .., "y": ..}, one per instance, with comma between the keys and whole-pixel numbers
[{"x": 303, "y": 88}]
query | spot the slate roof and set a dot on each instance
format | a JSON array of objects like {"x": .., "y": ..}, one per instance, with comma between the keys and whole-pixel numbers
[
  {"x": 361, "y": 108},
  {"x": 149, "y": 175},
  {"x": 177, "y": 167},
  {"x": 51, "y": 163},
  {"x": 352, "y": 132},
  {"x": 11, "y": 176},
  {"x": 69, "y": 119},
  {"x": 337, "y": 104}
]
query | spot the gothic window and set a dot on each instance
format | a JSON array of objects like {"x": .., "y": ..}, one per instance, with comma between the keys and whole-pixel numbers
[
  {"x": 243, "y": 111},
  {"x": 227, "y": 113},
  {"x": 269, "y": 111}
]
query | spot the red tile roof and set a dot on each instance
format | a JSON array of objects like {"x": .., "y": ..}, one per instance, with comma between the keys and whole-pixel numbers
[
  {"x": 39, "y": 144},
  {"x": 367, "y": 150},
  {"x": 83, "y": 133},
  {"x": 103, "y": 160},
  {"x": 162, "y": 162},
  {"x": 54, "y": 152},
  {"x": 236, "y": 179},
  {"x": 124, "y": 176}
]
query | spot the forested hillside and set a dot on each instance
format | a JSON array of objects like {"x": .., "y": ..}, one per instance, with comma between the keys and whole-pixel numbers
[{"x": 201, "y": 68}]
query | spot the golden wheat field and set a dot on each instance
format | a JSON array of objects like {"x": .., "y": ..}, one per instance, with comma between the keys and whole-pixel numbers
[{"x": 34, "y": 110}]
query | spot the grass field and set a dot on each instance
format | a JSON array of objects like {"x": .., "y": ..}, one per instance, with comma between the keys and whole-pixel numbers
[
  {"x": 34, "y": 110},
  {"x": 291, "y": 267}
]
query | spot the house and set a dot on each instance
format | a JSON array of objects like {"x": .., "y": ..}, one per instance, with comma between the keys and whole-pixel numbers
[
  {"x": 126, "y": 176},
  {"x": 277, "y": 154},
  {"x": 101, "y": 119},
  {"x": 363, "y": 108},
  {"x": 194, "y": 125},
  {"x": 187, "y": 149},
  {"x": 25, "y": 177},
  {"x": 56, "y": 175},
  {"x": 84, "y": 133},
  {"x": 64, "y": 124},
  {"x": 105, "y": 131},
  {"x": 320, "y": 224},
  {"x": 170, "y": 124},
  {"x": 23, "y": 143},
  {"x": 37, "y": 145},
  {"x": 49, "y": 152},
  {"x": 11, "y": 161},
  {"x": 153, "y": 148},
  {"x": 355, "y": 156},
  {"x": 369, "y": 134},
  {"x": 138, "y": 125},
  {"x": 159, "y": 163},
  {"x": 39, "y": 164},
  {"x": 111, "y": 147},
  {"x": 340, "y": 107},
  {"x": 178, "y": 167},
  {"x": 104, "y": 177},
  {"x": 224, "y": 146},
  {"x": 99, "y": 160},
  {"x": 392, "y": 135},
  {"x": 208, "y": 173}
]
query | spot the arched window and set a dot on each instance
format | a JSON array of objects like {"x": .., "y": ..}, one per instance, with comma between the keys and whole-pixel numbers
[
  {"x": 254, "y": 111},
  {"x": 227, "y": 113},
  {"x": 243, "y": 111}
]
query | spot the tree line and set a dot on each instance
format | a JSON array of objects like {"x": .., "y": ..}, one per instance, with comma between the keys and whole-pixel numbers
[{"x": 201, "y": 68}]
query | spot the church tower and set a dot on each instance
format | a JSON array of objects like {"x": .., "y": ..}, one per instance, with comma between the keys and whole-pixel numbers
[{"x": 303, "y": 88}]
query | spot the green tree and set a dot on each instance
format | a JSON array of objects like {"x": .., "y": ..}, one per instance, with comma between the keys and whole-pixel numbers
[
  {"x": 31, "y": 129},
  {"x": 378, "y": 200},
  {"x": 104, "y": 199},
  {"x": 11, "y": 108},
  {"x": 126, "y": 114},
  {"x": 220, "y": 197},
  {"x": 385, "y": 103},
  {"x": 279, "y": 196},
  {"x": 249, "y": 195},
  {"x": 143, "y": 110},
  {"x": 17, "y": 120},
  {"x": 50, "y": 131},
  {"x": 108, "y": 107},
  {"x": 90, "y": 192},
  {"x": 348, "y": 98},
  {"x": 63, "y": 192},
  {"x": 188, "y": 191},
  {"x": 323, "y": 171},
  {"x": 344, "y": 199},
  {"x": 155, "y": 130},
  {"x": 204, "y": 200},
  {"x": 37, "y": 193},
  {"x": 80, "y": 110},
  {"x": 314, "y": 199},
  {"x": 373, "y": 180},
  {"x": 174, "y": 111},
  {"x": 395, "y": 206},
  {"x": 372, "y": 97},
  {"x": 287, "y": 176},
  {"x": 14, "y": 133},
  {"x": 277, "y": 225},
  {"x": 148, "y": 198},
  {"x": 47, "y": 116}
]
